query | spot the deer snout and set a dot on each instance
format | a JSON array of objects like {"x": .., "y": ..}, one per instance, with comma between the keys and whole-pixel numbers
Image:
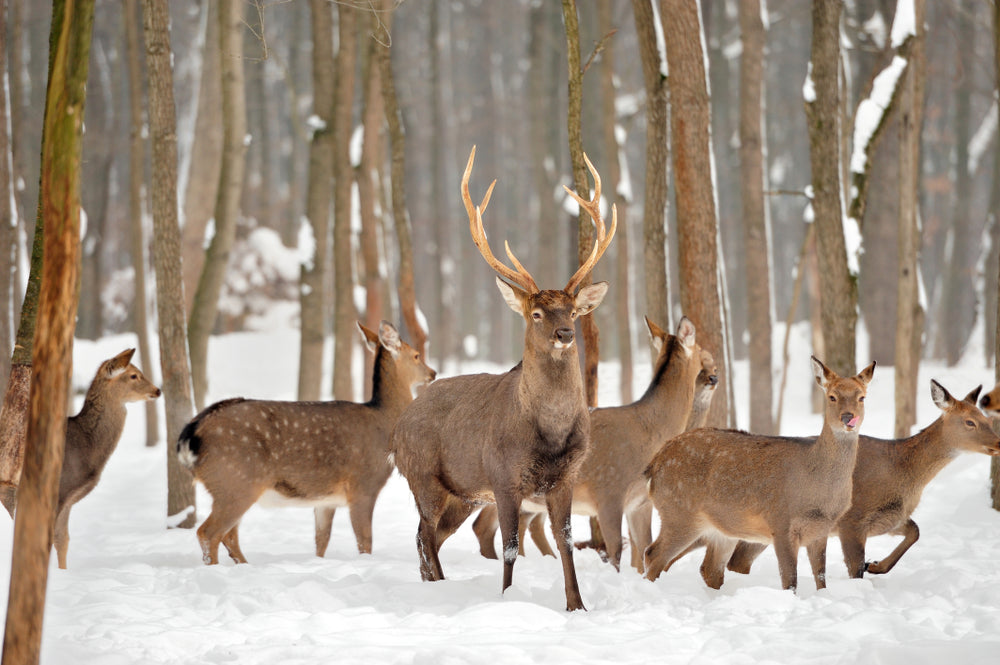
[
  {"x": 154, "y": 393},
  {"x": 849, "y": 419},
  {"x": 564, "y": 337},
  {"x": 984, "y": 403},
  {"x": 713, "y": 380}
]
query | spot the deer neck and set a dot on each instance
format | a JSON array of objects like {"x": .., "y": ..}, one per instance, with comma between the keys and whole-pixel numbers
[
  {"x": 924, "y": 454},
  {"x": 550, "y": 390},
  {"x": 102, "y": 422},
  {"x": 389, "y": 392},
  {"x": 838, "y": 447},
  {"x": 665, "y": 406}
]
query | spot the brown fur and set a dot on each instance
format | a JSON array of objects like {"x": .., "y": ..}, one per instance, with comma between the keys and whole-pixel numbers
[
  {"x": 324, "y": 454},
  {"x": 726, "y": 486},
  {"x": 93, "y": 434},
  {"x": 890, "y": 476},
  {"x": 704, "y": 391}
]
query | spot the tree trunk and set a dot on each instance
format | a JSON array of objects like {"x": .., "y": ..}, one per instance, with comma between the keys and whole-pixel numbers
[
  {"x": 654, "y": 214},
  {"x": 697, "y": 228},
  {"x": 59, "y": 205},
  {"x": 344, "y": 314},
  {"x": 838, "y": 292},
  {"x": 181, "y": 510},
  {"x": 407, "y": 292},
  {"x": 756, "y": 225},
  {"x": 312, "y": 298},
  {"x": 909, "y": 312},
  {"x": 206, "y": 158},
  {"x": 227, "y": 205},
  {"x": 135, "y": 207},
  {"x": 9, "y": 220},
  {"x": 615, "y": 149},
  {"x": 995, "y": 211}
]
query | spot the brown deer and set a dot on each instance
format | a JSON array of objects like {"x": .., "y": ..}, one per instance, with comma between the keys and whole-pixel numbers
[
  {"x": 93, "y": 434},
  {"x": 704, "y": 391},
  {"x": 508, "y": 438},
  {"x": 321, "y": 454},
  {"x": 889, "y": 477},
  {"x": 725, "y": 486},
  {"x": 990, "y": 403}
]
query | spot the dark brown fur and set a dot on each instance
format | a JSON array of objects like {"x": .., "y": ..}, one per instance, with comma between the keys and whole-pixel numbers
[
  {"x": 322, "y": 454},
  {"x": 93, "y": 434}
]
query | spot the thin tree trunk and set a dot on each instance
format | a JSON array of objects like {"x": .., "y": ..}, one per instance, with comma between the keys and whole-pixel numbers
[
  {"x": 654, "y": 215},
  {"x": 909, "y": 313},
  {"x": 59, "y": 205},
  {"x": 312, "y": 298},
  {"x": 838, "y": 293},
  {"x": 995, "y": 210},
  {"x": 181, "y": 511},
  {"x": 206, "y": 158},
  {"x": 407, "y": 292},
  {"x": 227, "y": 205},
  {"x": 698, "y": 226},
  {"x": 9, "y": 219},
  {"x": 344, "y": 314},
  {"x": 756, "y": 227}
]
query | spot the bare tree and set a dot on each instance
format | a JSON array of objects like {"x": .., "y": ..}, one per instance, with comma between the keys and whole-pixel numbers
[
  {"x": 9, "y": 219},
  {"x": 698, "y": 226},
  {"x": 654, "y": 215},
  {"x": 756, "y": 225},
  {"x": 344, "y": 314},
  {"x": 52, "y": 358},
  {"x": 136, "y": 171},
  {"x": 995, "y": 211},
  {"x": 167, "y": 257},
  {"x": 227, "y": 204}
]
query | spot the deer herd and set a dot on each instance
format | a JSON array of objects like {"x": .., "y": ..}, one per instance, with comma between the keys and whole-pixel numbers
[{"x": 523, "y": 445}]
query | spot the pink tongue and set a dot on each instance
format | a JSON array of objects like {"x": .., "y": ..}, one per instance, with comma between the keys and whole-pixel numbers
[{"x": 853, "y": 422}]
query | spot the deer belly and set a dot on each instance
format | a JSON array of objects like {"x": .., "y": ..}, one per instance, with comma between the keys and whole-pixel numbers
[{"x": 276, "y": 499}]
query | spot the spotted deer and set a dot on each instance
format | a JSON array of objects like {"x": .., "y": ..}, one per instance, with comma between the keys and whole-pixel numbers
[
  {"x": 93, "y": 434},
  {"x": 725, "y": 486},
  {"x": 321, "y": 454},
  {"x": 889, "y": 478},
  {"x": 509, "y": 438}
]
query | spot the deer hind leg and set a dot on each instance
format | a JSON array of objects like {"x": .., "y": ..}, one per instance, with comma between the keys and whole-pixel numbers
[
  {"x": 817, "y": 559},
  {"x": 225, "y": 516},
  {"x": 717, "y": 552},
  {"x": 677, "y": 532},
  {"x": 231, "y": 541},
  {"x": 323, "y": 517},
  {"x": 485, "y": 527},
  {"x": 536, "y": 527},
  {"x": 432, "y": 501},
  {"x": 362, "y": 509},
  {"x": 61, "y": 535},
  {"x": 559, "y": 501},
  {"x": 744, "y": 555},
  {"x": 911, "y": 533}
]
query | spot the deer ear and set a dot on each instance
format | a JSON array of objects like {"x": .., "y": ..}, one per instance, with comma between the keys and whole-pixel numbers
[
  {"x": 589, "y": 297},
  {"x": 865, "y": 375},
  {"x": 514, "y": 296},
  {"x": 823, "y": 375},
  {"x": 118, "y": 364},
  {"x": 656, "y": 335},
  {"x": 389, "y": 337},
  {"x": 371, "y": 339},
  {"x": 973, "y": 396},
  {"x": 686, "y": 332},
  {"x": 942, "y": 398}
]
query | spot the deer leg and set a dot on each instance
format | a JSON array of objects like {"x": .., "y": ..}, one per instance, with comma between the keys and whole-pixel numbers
[
  {"x": 744, "y": 555},
  {"x": 508, "y": 512},
  {"x": 640, "y": 532},
  {"x": 61, "y": 535},
  {"x": 852, "y": 544},
  {"x": 910, "y": 532},
  {"x": 432, "y": 500},
  {"x": 701, "y": 542},
  {"x": 485, "y": 527},
  {"x": 786, "y": 549},
  {"x": 677, "y": 533},
  {"x": 817, "y": 559},
  {"x": 362, "y": 509},
  {"x": 609, "y": 517},
  {"x": 536, "y": 527},
  {"x": 231, "y": 541},
  {"x": 323, "y": 517},
  {"x": 559, "y": 501},
  {"x": 713, "y": 566},
  {"x": 224, "y": 516}
]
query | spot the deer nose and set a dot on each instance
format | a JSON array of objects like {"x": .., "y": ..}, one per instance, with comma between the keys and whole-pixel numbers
[
  {"x": 985, "y": 401},
  {"x": 713, "y": 380},
  {"x": 564, "y": 335},
  {"x": 849, "y": 419}
]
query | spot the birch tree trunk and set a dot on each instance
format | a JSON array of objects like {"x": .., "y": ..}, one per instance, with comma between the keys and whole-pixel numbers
[
  {"x": 59, "y": 205},
  {"x": 995, "y": 210}
]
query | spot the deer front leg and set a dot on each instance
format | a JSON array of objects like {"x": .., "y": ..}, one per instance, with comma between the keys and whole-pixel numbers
[
  {"x": 744, "y": 555},
  {"x": 508, "y": 512},
  {"x": 485, "y": 528},
  {"x": 640, "y": 532},
  {"x": 61, "y": 535},
  {"x": 231, "y": 541},
  {"x": 911, "y": 533},
  {"x": 559, "y": 501},
  {"x": 362, "y": 509},
  {"x": 852, "y": 544},
  {"x": 323, "y": 517},
  {"x": 536, "y": 527},
  {"x": 609, "y": 517},
  {"x": 786, "y": 549},
  {"x": 713, "y": 566},
  {"x": 817, "y": 559}
]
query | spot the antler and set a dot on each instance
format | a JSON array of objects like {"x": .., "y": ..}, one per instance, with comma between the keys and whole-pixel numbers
[
  {"x": 521, "y": 277},
  {"x": 601, "y": 242}
]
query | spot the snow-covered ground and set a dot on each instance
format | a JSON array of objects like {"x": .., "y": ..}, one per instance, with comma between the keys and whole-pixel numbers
[{"x": 136, "y": 592}]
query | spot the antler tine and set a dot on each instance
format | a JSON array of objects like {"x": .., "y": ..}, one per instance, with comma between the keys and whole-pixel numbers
[
  {"x": 521, "y": 277},
  {"x": 601, "y": 242}
]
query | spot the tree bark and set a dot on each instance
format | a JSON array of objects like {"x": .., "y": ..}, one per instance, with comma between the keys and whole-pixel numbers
[
  {"x": 312, "y": 298},
  {"x": 59, "y": 205},
  {"x": 135, "y": 207},
  {"x": 756, "y": 225},
  {"x": 995, "y": 211},
  {"x": 909, "y": 312},
  {"x": 697, "y": 228},
  {"x": 407, "y": 292},
  {"x": 9, "y": 220},
  {"x": 654, "y": 214},
  {"x": 838, "y": 291},
  {"x": 227, "y": 206},
  {"x": 181, "y": 510},
  {"x": 344, "y": 314}
]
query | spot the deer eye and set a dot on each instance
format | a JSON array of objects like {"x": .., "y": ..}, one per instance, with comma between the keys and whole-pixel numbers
[
  {"x": 861, "y": 399},
  {"x": 970, "y": 423},
  {"x": 416, "y": 356},
  {"x": 833, "y": 398},
  {"x": 135, "y": 376},
  {"x": 572, "y": 314},
  {"x": 536, "y": 315}
]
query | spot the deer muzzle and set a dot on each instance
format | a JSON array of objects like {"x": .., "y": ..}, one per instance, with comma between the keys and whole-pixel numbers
[
  {"x": 563, "y": 337},
  {"x": 850, "y": 420}
]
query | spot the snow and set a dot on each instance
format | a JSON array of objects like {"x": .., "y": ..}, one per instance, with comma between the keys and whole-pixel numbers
[
  {"x": 904, "y": 23},
  {"x": 137, "y": 592},
  {"x": 871, "y": 111}
]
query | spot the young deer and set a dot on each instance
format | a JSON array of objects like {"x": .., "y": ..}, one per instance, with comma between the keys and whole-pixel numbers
[
  {"x": 726, "y": 486},
  {"x": 474, "y": 439},
  {"x": 93, "y": 434},
  {"x": 704, "y": 391},
  {"x": 889, "y": 477},
  {"x": 321, "y": 454}
]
